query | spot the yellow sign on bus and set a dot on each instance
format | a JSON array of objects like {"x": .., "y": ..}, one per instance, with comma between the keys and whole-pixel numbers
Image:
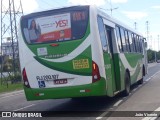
[{"x": 80, "y": 64}]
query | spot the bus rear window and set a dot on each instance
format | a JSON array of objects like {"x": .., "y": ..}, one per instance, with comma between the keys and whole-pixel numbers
[{"x": 55, "y": 25}]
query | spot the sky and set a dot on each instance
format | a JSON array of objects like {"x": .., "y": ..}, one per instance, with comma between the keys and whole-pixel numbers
[{"x": 126, "y": 11}]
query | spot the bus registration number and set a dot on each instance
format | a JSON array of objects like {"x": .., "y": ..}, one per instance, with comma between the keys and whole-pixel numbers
[{"x": 60, "y": 81}]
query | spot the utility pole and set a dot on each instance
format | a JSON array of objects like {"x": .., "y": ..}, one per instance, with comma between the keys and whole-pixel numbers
[
  {"x": 155, "y": 54},
  {"x": 10, "y": 16},
  {"x": 158, "y": 52},
  {"x": 158, "y": 44},
  {"x": 135, "y": 25},
  {"x": 151, "y": 45},
  {"x": 147, "y": 32},
  {"x": 111, "y": 9}
]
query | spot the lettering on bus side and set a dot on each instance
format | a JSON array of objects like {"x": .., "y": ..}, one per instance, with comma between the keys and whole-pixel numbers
[
  {"x": 47, "y": 77},
  {"x": 55, "y": 56},
  {"x": 108, "y": 66}
]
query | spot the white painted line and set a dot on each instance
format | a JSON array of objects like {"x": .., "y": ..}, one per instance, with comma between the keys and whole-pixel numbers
[
  {"x": 24, "y": 107},
  {"x": 101, "y": 116},
  {"x": 152, "y": 118},
  {"x": 155, "y": 74},
  {"x": 138, "y": 86},
  {"x": 134, "y": 89},
  {"x": 98, "y": 118},
  {"x": 158, "y": 109},
  {"x": 11, "y": 95},
  {"x": 152, "y": 76},
  {"x": 16, "y": 91},
  {"x": 117, "y": 103},
  {"x": 148, "y": 79}
]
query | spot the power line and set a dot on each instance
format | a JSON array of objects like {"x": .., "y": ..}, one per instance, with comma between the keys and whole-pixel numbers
[
  {"x": 111, "y": 7},
  {"x": 10, "y": 16}
]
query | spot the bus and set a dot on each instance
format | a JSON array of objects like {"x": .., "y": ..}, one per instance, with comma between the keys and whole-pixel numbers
[{"x": 79, "y": 51}]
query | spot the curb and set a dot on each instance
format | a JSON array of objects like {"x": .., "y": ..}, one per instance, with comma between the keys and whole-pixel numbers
[{"x": 11, "y": 93}]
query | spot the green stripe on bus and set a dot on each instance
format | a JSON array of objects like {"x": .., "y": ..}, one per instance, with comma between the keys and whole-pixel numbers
[
  {"x": 68, "y": 67},
  {"x": 133, "y": 58},
  {"x": 96, "y": 89}
]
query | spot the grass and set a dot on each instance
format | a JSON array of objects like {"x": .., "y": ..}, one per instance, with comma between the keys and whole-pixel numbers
[
  {"x": 11, "y": 87},
  {"x": 4, "y": 87}
]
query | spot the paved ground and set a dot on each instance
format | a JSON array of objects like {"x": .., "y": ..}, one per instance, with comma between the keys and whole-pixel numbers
[{"x": 142, "y": 98}]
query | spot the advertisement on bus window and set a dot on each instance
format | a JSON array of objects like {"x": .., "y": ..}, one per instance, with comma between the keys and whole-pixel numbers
[
  {"x": 45, "y": 29},
  {"x": 55, "y": 26}
]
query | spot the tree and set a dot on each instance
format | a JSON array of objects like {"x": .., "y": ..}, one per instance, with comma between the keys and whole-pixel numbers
[
  {"x": 158, "y": 55},
  {"x": 150, "y": 54}
]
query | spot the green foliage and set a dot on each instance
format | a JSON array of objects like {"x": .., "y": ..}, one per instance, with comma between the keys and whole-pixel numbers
[
  {"x": 158, "y": 55},
  {"x": 9, "y": 65},
  {"x": 7, "y": 84},
  {"x": 151, "y": 55},
  {"x": 11, "y": 78},
  {"x": 10, "y": 87}
]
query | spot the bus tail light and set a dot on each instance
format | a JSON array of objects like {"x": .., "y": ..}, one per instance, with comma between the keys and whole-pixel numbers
[
  {"x": 95, "y": 72},
  {"x": 25, "y": 79}
]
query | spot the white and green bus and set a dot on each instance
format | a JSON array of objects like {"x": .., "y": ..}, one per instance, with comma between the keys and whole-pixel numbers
[{"x": 78, "y": 51}]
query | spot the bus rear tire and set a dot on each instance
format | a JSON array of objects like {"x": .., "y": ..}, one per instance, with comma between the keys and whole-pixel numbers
[{"x": 127, "y": 89}]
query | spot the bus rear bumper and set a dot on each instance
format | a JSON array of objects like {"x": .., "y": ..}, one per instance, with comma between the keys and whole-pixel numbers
[{"x": 95, "y": 89}]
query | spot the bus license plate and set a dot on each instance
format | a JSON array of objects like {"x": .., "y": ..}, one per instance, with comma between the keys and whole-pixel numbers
[{"x": 60, "y": 81}]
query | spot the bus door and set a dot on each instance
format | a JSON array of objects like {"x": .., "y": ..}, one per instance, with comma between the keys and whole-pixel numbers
[
  {"x": 109, "y": 31},
  {"x": 107, "y": 55}
]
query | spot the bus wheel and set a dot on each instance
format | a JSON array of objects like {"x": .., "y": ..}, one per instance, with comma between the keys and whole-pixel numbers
[{"x": 127, "y": 85}]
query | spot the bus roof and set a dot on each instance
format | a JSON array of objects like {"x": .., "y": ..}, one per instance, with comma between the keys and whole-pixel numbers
[{"x": 101, "y": 12}]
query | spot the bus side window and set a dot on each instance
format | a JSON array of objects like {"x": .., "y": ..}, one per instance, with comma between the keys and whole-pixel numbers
[
  {"x": 138, "y": 44},
  {"x": 127, "y": 41},
  {"x": 118, "y": 39},
  {"x": 134, "y": 43},
  {"x": 109, "y": 37},
  {"x": 123, "y": 39},
  {"x": 102, "y": 34},
  {"x": 130, "y": 42},
  {"x": 141, "y": 50}
]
